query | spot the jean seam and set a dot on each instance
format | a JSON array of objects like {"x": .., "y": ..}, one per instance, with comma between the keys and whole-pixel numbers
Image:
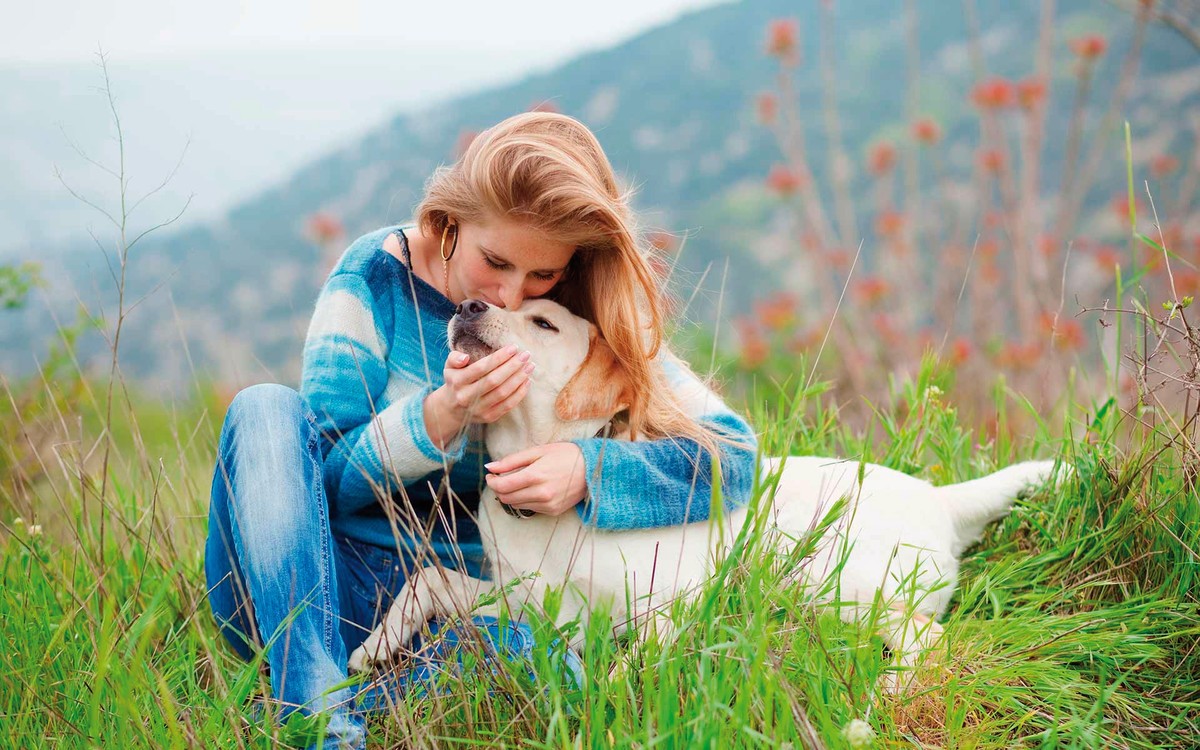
[{"x": 318, "y": 492}]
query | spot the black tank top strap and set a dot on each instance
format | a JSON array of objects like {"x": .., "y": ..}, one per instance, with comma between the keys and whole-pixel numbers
[{"x": 404, "y": 248}]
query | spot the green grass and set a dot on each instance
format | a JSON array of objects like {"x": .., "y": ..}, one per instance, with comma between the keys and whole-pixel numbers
[{"x": 1076, "y": 622}]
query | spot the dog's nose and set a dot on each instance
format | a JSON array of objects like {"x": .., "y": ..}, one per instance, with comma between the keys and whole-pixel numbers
[{"x": 471, "y": 308}]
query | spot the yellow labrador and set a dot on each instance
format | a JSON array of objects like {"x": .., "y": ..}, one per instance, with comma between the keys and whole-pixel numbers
[{"x": 900, "y": 538}]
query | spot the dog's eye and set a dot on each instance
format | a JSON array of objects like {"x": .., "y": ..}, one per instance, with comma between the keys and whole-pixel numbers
[{"x": 544, "y": 324}]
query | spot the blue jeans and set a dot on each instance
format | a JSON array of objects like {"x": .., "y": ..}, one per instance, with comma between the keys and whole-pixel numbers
[{"x": 278, "y": 576}]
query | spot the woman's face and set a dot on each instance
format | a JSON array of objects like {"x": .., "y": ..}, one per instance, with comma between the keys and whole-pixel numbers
[{"x": 504, "y": 262}]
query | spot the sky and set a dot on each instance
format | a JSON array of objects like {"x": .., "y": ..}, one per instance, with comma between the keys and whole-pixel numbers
[
  {"x": 247, "y": 91},
  {"x": 542, "y": 30}
]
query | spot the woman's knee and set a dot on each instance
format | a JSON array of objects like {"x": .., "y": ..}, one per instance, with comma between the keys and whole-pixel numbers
[{"x": 266, "y": 402}]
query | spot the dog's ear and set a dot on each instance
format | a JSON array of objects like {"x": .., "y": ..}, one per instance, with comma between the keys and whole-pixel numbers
[{"x": 599, "y": 388}]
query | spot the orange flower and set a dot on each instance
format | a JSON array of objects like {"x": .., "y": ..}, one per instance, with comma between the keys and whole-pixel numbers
[
  {"x": 870, "y": 290},
  {"x": 992, "y": 219},
  {"x": 990, "y": 272},
  {"x": 838, "y": 258},
  {"x": 465, "y": 139},
  {"x": 926, "y": 131},
  {"x": 960, "y": 351},
  {"x": 663, "y": 242},
  {"x": 1119, "y": 205},
  {"x": 1047, "y": 245},
  {"x": 881, "y": 158},
  {"x": 889, "y": 223},
  {"x": 1019, "y": 356},
  {"x": 994, "y": 93},
  {"x": 768, "y": 108},
  {"x": 991, "y": 160},
  {"x": 1163, "y": 165},
  {"x": 324, "y": 228},
  {"x": 783, "y": 180},
  {"x": 1107, "y": 257},
  {"x": 1090, "y": 47},
  {"x": 1064, "y": 333},
  {"x": 781, "y": 40},
  {"x": 777, "y": 312},
  {"x": 754, "y": 347},
  {"x": 988, "y": 249},
  {"x": 805, "y": 340},
  {"x": 886, "y": 328},
  {"x": 1031, "y": 92}
]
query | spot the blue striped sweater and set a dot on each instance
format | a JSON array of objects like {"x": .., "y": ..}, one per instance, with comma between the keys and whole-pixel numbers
[{"x": 375, "y": 349}]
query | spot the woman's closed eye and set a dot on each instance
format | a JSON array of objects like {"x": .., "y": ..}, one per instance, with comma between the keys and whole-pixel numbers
[{"x": 502, "y": 266}]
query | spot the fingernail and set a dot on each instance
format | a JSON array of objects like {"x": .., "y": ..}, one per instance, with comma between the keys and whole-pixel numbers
[
  {"x": 524, "y": 356},
  {"x": 529, "y": 368},
  {"x": 489, "y": 466},
  {"x": 510, "y": 350}
]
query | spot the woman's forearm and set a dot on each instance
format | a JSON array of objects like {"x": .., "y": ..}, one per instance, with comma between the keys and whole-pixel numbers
[{"x": 440, "y": 422}]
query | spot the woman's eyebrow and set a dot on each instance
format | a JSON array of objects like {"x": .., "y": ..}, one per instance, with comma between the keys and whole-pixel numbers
[{"x": 502, "y": 259}]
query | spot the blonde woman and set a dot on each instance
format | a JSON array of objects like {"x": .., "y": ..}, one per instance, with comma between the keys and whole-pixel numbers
[{"x": 323, "y": 500}]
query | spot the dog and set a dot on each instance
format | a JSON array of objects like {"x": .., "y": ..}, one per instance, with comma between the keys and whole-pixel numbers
[{"x": 894, "y": 547}]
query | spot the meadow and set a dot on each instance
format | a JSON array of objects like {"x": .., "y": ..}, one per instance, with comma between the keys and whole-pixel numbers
[{"x": 1077, "y": 617}]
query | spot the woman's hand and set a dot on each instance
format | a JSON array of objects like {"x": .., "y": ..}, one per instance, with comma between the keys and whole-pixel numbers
[
  {"x": 476, "y": 392},
  {"x": 548, "y": 479}
]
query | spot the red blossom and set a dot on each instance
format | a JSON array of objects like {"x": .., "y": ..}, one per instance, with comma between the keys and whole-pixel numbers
[
  {"x": 889, "y": 223},
  {"x": 881, "y": 158},
  {"x": 663, "y": 242},
  {"x": 777, "y": 312},
  {"x": 783, "y": 180},
  {"x": 960, "y": 351},
  {"x": 926, "y": 131},
  {"x": 870, "y": 290},
  {"x": 991, "y": 160},
  {"x": 994, "y": 93},
  {"x": 1047, "y": 245},
  {"x": 1064, "y": 333},
  {"x": 464, "y": 141},
  {"x": 1019, "y": 356},
  {"x": 767, "y": 106},
  {"x": 838, "y": 258},
  {"x": 1163, "y": 165},
  {"x": 1031, "y": 92},
  {"x": 1107, "y": 257},
  {"x": 990, "y": 273},
  {"x": 324, "y": 228},
  {"x": 754, "y": 346},
  {"x": 988, "y": 249},
  {"x": 782, "y": 42},
  {"x": 1119, "y": 205},
  {"x": 1090, "y": 47}
]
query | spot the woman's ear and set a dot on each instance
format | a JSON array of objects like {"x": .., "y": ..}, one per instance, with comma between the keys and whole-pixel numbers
[{"x": 599, "y": 388}]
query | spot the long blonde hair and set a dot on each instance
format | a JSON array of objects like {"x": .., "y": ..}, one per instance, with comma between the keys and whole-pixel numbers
[{"x": 548, "y": 171}]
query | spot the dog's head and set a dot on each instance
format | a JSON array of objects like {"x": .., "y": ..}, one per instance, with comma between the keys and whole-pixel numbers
[{"x": 578, "y": 386}]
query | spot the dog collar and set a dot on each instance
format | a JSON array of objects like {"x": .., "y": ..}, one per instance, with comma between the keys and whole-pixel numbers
[{"x": 603, "y": 432}]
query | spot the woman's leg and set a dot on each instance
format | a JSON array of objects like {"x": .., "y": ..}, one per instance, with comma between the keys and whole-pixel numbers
[{"x": 270, "y": 559}]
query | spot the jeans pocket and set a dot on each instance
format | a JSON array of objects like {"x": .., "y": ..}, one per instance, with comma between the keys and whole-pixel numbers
[{"x": 370, "y": 575}]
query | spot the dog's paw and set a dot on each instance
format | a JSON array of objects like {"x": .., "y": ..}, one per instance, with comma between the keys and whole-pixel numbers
[{"x": 380, "y": 646}]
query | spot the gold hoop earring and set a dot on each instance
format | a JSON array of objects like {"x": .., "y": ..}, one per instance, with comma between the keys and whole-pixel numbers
[
  {"x": 453, "y": 247},
  {"x": 446, "y": 258}
]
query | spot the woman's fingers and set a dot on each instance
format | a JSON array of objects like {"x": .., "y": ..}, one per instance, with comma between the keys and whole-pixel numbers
[{"x": 499, "y": 409}]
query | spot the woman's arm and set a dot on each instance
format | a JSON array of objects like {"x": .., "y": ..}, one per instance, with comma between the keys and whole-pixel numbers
[
  {"x": 372, "y": 421},
  {"x": 668, "y": 481}
]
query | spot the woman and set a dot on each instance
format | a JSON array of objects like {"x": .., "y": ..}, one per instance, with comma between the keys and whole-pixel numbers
[{"x": 324, "y": 501}]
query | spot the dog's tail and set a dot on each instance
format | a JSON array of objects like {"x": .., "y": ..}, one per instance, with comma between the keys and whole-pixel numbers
[{"x": 973, "y": 505}]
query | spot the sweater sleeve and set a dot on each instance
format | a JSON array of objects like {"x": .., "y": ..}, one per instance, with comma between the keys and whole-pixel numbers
[
  {"x": 665, "y": 482},
  {"x": 371, "y": 419}
]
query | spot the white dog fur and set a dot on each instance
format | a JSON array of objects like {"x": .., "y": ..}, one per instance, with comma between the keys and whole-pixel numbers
[{"x": 900, "y": 537}]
